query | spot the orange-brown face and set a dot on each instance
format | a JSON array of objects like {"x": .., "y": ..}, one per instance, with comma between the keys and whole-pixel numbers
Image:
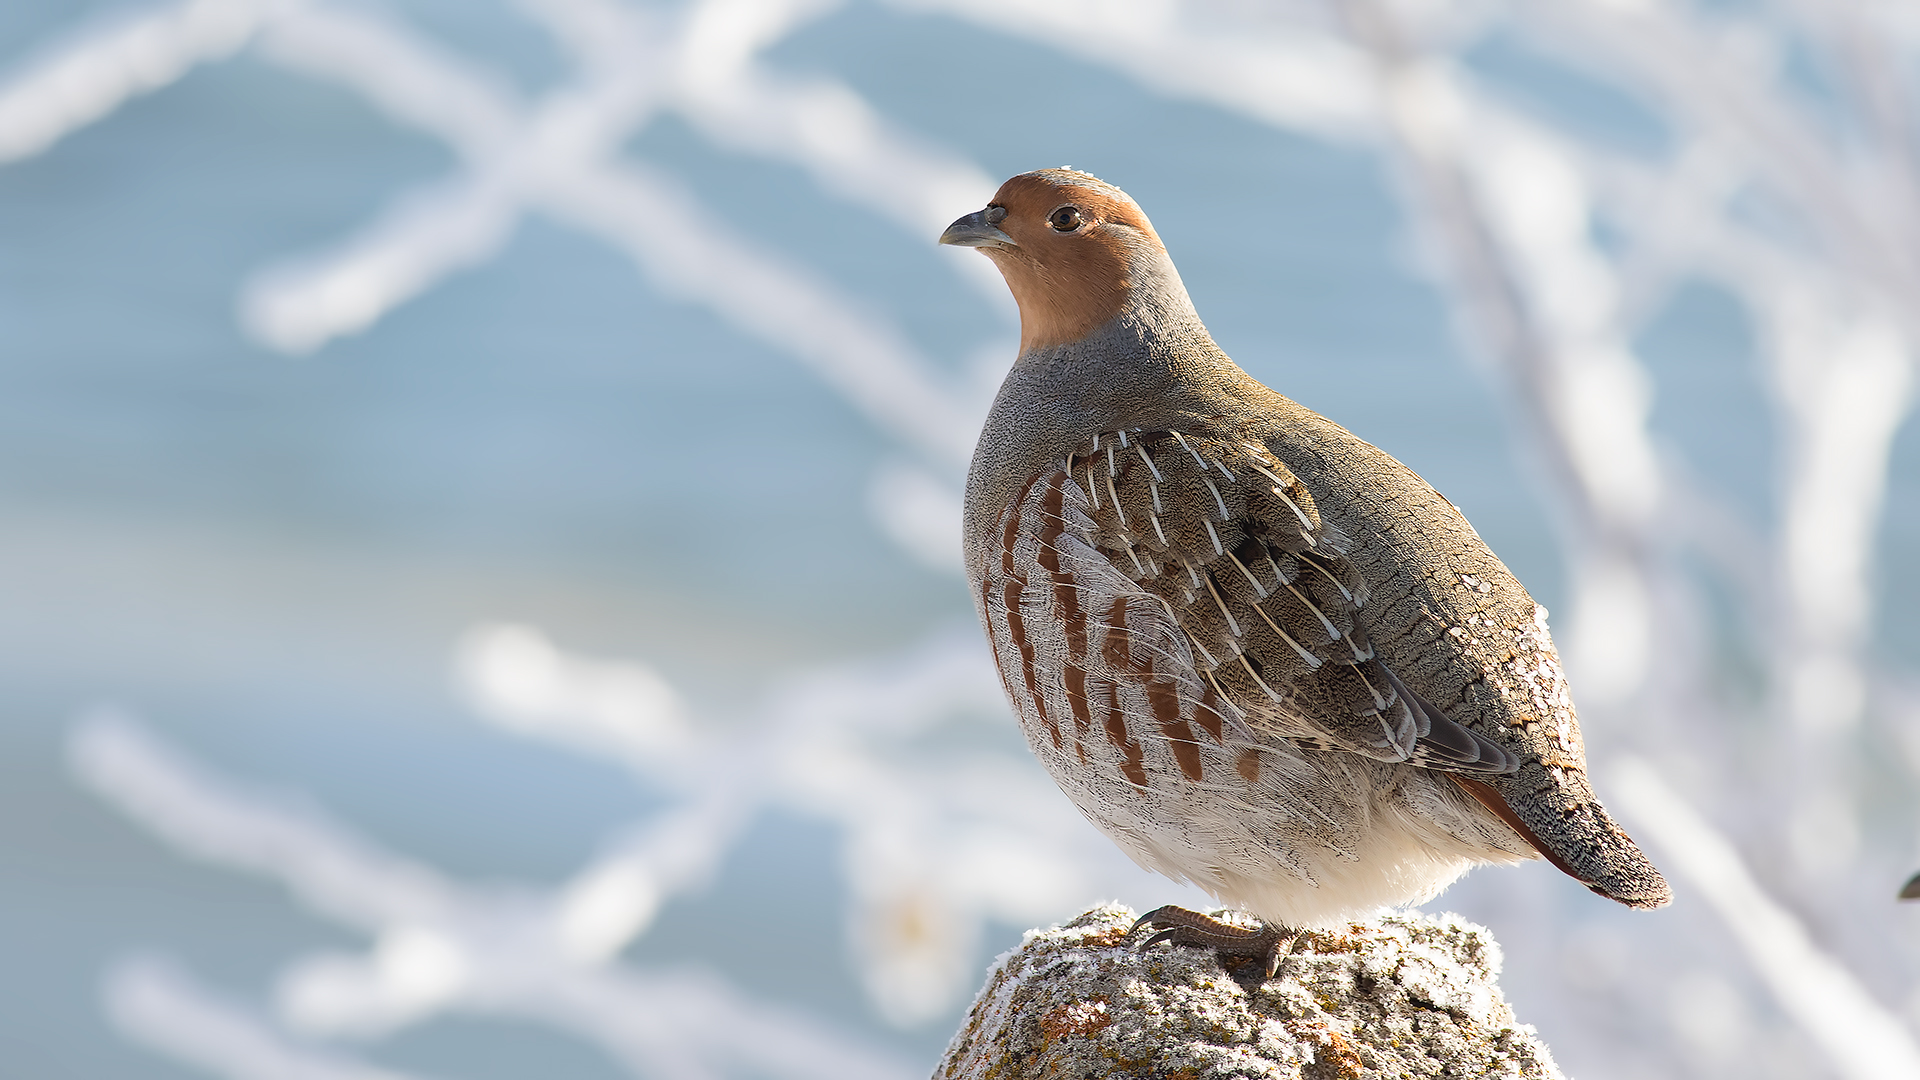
[{"x": 1067, "y": 244}]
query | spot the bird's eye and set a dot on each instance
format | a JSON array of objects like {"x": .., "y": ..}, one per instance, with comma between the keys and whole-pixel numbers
[{"x": 1065, "y": 219}]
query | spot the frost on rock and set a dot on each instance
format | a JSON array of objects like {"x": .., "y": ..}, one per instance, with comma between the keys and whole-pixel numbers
[{"x": 1405, "y": 995}]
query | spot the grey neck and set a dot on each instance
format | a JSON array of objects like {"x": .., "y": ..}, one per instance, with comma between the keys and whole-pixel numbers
[{"x": 1153, "y": 366}]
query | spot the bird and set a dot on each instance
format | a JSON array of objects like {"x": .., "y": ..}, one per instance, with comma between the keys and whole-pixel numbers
[{"x": 1261, "y": 655}]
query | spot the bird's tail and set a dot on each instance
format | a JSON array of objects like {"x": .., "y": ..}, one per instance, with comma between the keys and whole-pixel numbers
[{"x": 1578, "y": 836}]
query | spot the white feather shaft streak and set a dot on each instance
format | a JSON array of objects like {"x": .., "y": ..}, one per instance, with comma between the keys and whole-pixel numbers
[
  {"x": 90, "y": 76},
  {"x": 1296, "y": 77},
  {"x": 157, "y": 1004},
  {"x": 686, "y": 253},
  {"x": 1863, "y": 1039},
  {"x": 329, "y": 869}
]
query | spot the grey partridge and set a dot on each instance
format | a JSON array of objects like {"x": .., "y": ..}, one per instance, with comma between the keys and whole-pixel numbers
[{"x": 1261, "y": 655}]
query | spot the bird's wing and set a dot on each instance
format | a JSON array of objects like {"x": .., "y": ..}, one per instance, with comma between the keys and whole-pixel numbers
[
  {"x": 1261, "y": 588},
  {"x": 1098, "y": 668}
]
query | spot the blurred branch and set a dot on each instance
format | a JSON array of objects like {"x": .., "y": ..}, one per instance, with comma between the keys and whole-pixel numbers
[
  {"x": 560, "y": 156},
  {"x": 438, "y": 945},
  {"x": 1866, "y": 1041},
  {"x": 96, "y": 71},
  {"x": 1286, "y": 75},
  {"x": 159, "y": 1004},
  {"x": 329, "y": 869}
]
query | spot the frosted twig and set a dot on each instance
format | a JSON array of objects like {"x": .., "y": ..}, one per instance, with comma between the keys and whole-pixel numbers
[
  {"x": 328, "y": 868},
  {"x": 685, "y": 252},
  {"x": 94, "y": 73},
  {"x": 158, "y": 1004},
  {"x": 1864, "y": 1039},
  {"x": 1290, "y": 76},
  {"x": 561, "y": 157},
  {"x": 458, "y": 947},
  {"x": 636, "y": 1014},
  {"x": 1727, "y": 94}
]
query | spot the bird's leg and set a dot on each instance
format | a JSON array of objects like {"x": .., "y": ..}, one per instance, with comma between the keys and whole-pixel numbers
[{"x": 1270, "y": 943}]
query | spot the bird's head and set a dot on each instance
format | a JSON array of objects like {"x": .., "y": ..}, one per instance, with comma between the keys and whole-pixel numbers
[{"x": 1073, "y": 249}]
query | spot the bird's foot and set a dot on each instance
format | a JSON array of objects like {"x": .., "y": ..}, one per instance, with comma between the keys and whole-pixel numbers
[{"x": 1269, "y": 944}]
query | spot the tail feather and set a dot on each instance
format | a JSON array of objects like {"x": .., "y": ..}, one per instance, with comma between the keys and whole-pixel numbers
[{"x": 1600, "y": 856}]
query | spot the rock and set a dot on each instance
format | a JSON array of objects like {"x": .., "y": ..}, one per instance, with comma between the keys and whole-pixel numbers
[{"x": 1406, "y": 995}]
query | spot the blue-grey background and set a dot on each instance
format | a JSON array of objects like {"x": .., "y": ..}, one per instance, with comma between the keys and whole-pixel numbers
[{"x": 269, "y": 557}]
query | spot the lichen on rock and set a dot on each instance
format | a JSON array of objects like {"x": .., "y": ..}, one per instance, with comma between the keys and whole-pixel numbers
[{"x": 1404, "y": 995}]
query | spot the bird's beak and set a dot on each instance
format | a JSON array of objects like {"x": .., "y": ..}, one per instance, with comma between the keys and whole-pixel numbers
[{"x": 978, "y": 230}]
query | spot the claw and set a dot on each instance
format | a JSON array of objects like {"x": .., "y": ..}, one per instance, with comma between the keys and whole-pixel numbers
[
  {"x": 1144, "y": 920},
  {"x": 1270, "y": 943},
  {"x": 1164, "y": 935}
]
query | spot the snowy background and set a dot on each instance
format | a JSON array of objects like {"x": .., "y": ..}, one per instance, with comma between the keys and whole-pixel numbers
[{"x": 479, "y": 484}]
